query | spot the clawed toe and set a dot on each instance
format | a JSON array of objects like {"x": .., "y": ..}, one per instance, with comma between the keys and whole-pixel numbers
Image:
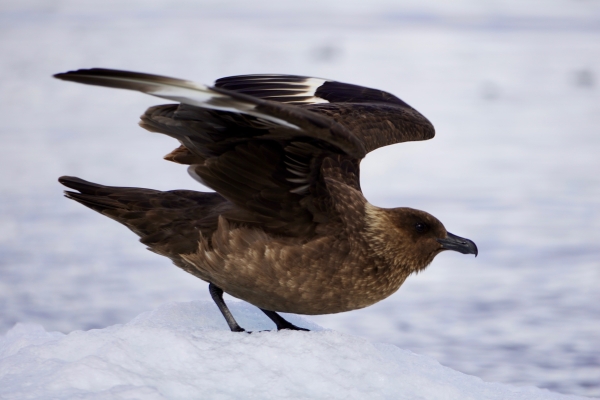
[{"x": 293, "y": 328}]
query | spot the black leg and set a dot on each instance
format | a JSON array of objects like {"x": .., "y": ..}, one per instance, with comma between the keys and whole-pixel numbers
[
  {"x": 217, "y": 295},
  {"x": 281, "y": 322}
]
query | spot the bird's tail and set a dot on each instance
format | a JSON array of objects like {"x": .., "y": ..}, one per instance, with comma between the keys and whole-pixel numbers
[{"x": 169, "y": 223}]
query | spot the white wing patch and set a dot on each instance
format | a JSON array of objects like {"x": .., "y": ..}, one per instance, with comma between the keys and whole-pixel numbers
[
  {"x": 304, "y": 91},
  {"x": 290, "y": 89},
  {"x": 180, "y": 90},
  {"x": 203, "y": 96}
]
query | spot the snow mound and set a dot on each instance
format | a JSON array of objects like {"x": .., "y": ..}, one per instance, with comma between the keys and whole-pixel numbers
[{"x": 184, "y": 351}]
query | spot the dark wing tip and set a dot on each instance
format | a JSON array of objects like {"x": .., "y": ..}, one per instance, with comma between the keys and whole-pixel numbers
[
  {"x": 93, "y": 76},
  {"x": 339, "y": 92},
  {"x": 77, "y": 74},
  {"x": 428, "y": 131},
  {"x": 65, "y": 75},
  {"x": 118, "y": 79}
]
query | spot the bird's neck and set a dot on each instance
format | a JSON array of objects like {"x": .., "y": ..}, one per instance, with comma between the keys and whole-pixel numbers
[{"x": 386, "y": 242}]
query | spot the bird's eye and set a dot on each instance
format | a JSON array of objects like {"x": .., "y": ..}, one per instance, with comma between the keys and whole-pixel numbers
[{"x": 421, "y": 227}]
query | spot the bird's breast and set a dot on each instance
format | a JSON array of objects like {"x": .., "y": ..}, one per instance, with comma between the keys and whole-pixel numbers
[{"x": 326, "y": 274}]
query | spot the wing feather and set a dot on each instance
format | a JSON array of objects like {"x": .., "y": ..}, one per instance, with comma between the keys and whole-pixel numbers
[
  {"x": 261, "y": 141},
  {"x": 376, "y": 117},
  {"x": 183, "y": 91}
]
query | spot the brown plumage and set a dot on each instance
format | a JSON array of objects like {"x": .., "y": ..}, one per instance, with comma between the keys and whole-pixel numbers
[{"x": 288, "y": 228}]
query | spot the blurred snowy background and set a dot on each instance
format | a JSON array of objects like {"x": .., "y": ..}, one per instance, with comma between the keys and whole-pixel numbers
[{"x": 513, "y": 89}]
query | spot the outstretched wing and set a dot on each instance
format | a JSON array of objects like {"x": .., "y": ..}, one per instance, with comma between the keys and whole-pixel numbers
[
  {"x": 375, "y": 117},
  {"x": 266, "y": 143},
  {"x": 186, "y": 92}
]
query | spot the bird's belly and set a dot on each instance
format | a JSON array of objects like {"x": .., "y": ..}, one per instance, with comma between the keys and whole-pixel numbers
[{"x": 322, "y": 276}]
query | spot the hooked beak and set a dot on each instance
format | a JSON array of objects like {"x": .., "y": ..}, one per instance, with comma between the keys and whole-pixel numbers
[{"x": 456, "y": 243}]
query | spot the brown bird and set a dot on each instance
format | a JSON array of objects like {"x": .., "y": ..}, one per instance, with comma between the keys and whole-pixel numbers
[{"x": 288, "y": 229}]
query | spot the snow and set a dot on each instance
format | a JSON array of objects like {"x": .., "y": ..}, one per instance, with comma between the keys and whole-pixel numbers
[
  {"x": 184, "y": 351},
  {"x": 512, "y": 87}
]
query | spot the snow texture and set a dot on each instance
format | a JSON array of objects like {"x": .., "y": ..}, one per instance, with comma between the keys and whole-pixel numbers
[{"x": 185, "y": 351}]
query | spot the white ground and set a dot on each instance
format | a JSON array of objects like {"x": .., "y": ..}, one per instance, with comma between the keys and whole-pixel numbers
[
  {"x": 512, "y": 89},
  {"x": 185, "y": 351}
]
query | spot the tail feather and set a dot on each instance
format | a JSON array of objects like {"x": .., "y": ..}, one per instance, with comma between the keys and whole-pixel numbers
[
  {"x": 79, "y": 184},
  {"x": 96, "y": 203},
  {"x": 167, "y": 222},
  {"x": 102, "y": 198}
]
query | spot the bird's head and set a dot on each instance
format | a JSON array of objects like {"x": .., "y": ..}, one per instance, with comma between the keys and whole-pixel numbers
[{"x": 411, "y": 238}]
